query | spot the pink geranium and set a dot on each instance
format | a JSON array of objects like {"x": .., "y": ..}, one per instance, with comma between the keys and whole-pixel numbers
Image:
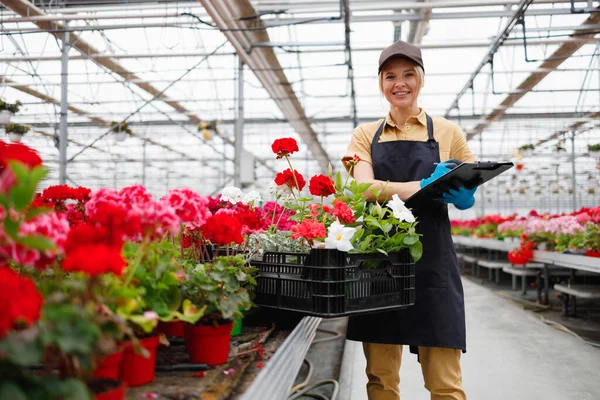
[{"x": 191, "y": 208}]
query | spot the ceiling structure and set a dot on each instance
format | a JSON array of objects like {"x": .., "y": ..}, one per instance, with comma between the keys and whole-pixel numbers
[{"x": 509, "y": 72}]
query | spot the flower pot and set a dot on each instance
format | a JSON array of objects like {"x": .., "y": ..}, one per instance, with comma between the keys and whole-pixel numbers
[
  {"x": 120, "y": 136},
  {"x": 237, "y": 327},
  {"x": 15, "y": 137},
  {"x": 171, "y": 329},
  {"x": 135, "y": 369},
  {"x": 104, "y": 389},
  {"x": 5, "y": 116},
  {"x": 592, "y": 253},
  {"x": 208, "y": 344},
  {"x": 108, "y": 368}
]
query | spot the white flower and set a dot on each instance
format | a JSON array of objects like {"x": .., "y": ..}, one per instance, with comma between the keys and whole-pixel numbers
[
  {"x": 339, "y": 237},
  {"x": 399, "y": 209},
  {"x": 151, "y": 315},
  {"x": 231, "y": 194},
  {"x": 284, "y": 191},
  {"x": 251, "y": 197}
]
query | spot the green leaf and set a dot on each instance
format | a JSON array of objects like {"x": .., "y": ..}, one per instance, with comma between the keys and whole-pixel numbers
[
  {"x": 416, "y": 251},
  {"x": 410, "y": 240},
  {"x": 36, "y": 242},
  {"x": 338, "y": 181},
  {"x": 21, "y": 195},
  {"x": 19, "y": 169},
  {"x": 37, "y": 174},
  {"x": 10, "y": 391},
  {"x": 11, "y": 227},
  {"x": 34, "y": 212}
]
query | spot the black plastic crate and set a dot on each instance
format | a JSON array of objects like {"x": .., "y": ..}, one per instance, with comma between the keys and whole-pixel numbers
[{"x": 331, "y": 283}]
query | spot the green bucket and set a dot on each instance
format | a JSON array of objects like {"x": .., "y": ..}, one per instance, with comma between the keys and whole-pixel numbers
[{"x": 237, "y": 327}]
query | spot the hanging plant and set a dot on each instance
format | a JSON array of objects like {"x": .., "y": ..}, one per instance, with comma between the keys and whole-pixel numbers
[
  {"x": 120, "y": 130},
  {"x": 207, "y": 128},
  {"x": 526, "y": 149},
  {"x": 521, "y": 191},
  {"x": 7, "y": 110},
  {"x": 15, "y": 132},
  {"x": 591, "y": 191}
]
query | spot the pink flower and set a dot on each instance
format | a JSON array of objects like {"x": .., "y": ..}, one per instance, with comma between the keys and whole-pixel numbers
[
  {"x": 136, "y": 194},
  {"x": 191, "y": 208}
]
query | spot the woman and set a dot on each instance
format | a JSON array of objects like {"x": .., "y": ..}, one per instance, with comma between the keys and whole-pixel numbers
[{"x": 399, "y": 155}]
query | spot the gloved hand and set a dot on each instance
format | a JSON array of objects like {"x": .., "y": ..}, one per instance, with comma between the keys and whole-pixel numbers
[
  {"x": 441, "y": 169},
  {"x": 462, "y": 198}
]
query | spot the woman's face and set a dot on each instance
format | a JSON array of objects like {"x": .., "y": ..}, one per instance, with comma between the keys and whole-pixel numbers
[{"x": 400, "y": 83}]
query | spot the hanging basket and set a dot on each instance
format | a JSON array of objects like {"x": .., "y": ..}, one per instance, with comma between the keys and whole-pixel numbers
[
  {"x": 5, "y": 117},
  {"x": 120, "y": 136},
  {"x": 15, "y": 137}
]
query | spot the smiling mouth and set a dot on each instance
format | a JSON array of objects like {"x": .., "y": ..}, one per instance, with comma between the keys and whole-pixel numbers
[{"x": 400, "y": 94}]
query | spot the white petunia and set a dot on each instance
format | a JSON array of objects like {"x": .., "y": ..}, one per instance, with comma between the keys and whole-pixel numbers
[
  {"x": 252, "y": 197},
  {"x": 339, "y": 237},
  {"x": 399, "y": 209},
  {"x": 231, "y": 194}
]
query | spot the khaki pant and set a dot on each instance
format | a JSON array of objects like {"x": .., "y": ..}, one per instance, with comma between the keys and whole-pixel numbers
[{"x": 441, "y": 371}]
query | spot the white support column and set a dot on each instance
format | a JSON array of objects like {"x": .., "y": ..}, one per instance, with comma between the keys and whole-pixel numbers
[
  {"x": 239, "y": 125},
  {"x": 64, "y": 109},
  {"x": 573, "y": 171}
]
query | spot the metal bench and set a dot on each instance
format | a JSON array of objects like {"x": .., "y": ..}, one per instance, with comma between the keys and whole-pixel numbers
[
  {"x": 491, "y": 266},
  {"x": 530, "y": 269},
  {"x": 571, "y": 292}
]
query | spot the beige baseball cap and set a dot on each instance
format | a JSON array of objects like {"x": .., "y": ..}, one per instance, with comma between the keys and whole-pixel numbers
[{"x": 401, "y": 49}]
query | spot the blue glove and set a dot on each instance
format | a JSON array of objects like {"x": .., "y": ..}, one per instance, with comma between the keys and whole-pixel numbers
[
  {"x": 441, "y": 169},
  {"x": 461, "y": 198}
]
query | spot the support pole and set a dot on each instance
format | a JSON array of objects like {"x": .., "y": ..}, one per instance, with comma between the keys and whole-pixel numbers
[
  {"x": 481, "y": 189},
  {"x": 144, "y": 162},
  {"x": 239, "y": 125},
  {"x": 64, "y": 109},
  {"x": 573, "y": 172}
]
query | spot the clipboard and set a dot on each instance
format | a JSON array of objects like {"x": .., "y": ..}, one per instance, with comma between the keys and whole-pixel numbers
[{"x": 465, "y": 172}]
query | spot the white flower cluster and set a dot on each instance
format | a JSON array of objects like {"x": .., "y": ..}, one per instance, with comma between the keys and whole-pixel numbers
[
  {"x": 234, "y": 195},
  {"x": 283, "y": 192}
]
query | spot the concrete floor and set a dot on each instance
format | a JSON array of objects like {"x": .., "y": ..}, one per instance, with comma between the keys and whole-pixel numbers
[{"x": 511, "y": 354}]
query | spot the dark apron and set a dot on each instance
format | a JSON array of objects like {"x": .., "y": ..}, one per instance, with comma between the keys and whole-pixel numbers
[{"x": 438, "y": 317}]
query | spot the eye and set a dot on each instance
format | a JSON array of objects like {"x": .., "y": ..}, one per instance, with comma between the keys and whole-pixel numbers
[
  {"x": 389, "y": 77},
  {"x": 409, "y": 74}
]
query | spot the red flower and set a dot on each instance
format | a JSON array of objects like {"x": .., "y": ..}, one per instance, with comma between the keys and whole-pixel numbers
[
  {"x": 284, "y": 147},
  {"x": 352, "y": 162},
  {"x": 287, "y": 178},
  {"x": 519, "y": 166},
  {"x": 18, "y": 152},
  {"x": 309, "y": 230},
  {"x": 94, "y": 260},
  {"x": 223, "y": 229},
  {"x": 342, "y": 212},
  {"x": 321, "y": 185},
  {"x": 20, "y": 301}
]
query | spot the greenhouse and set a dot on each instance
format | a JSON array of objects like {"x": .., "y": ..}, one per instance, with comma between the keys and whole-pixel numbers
[{"x": 294, "y": 199}]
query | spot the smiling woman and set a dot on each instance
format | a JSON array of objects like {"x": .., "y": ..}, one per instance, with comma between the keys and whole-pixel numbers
[{"x": 398, "y": 156}]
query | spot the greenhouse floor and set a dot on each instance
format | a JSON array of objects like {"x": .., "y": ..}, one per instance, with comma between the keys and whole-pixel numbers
[{"x": 512, "y": 354}]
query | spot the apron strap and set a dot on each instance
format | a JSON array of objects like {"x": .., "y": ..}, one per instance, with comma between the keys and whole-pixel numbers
[
  {"x": 378, "y": 133},
  {"x": 431, "y": 139}
]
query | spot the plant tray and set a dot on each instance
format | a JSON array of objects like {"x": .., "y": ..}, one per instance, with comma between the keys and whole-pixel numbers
[{"x": 329, "y": 283}]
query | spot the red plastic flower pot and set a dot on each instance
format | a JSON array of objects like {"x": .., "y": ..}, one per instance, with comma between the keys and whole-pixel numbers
[
  {"x": 592, "y": 253},
  {"x": 208, "y": 344},
  {"x": 135, "y": 369},
  {"x": 108, "y": 368},
  {"x": 115, "y": 391},
  {"x": 171, "y": 329}
]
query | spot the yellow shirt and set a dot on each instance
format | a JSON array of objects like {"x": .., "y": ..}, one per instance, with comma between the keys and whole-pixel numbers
[{"x": 451, "y": 138}]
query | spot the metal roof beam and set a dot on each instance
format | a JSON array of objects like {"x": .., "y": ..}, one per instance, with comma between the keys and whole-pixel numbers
[
  {"x": 265, "y": 65},
  {"x": 418, "y": 29},
  {"x": 559, "y": 56}
]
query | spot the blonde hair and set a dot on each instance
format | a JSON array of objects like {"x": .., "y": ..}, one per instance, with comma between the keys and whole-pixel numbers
[{"x": 420, "y": 74}]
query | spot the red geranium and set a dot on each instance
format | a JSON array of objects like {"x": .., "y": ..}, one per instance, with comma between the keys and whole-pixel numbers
[
  {"x": 287, "y": 178},
  {"x": 342, "y": 212},
  {"x": 223, "y": 229},
  {"x": 284, "y": 147},
  {"x": 321, "y": 185},
  {"x": 18, "y": 152},
  {"x": 94, "y": 260},
  {"x": 20, "y": 301},
  {"x": 309, "y": 230}
]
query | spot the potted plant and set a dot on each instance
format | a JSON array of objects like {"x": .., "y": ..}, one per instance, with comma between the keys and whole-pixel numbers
[
  {"x": 7, "y": 110},
  {"x": 218, "y": 290},
  {"x": 15, "y": 132},
  {"x": 591, "y": 240},
  {"x": 120, "y": 130},
  {"x": 526, "y": 149},
  {"x": 594, "y": 150}
]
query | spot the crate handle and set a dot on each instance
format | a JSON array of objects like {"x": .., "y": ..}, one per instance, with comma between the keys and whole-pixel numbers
[{"x": 389, "y": 273}]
